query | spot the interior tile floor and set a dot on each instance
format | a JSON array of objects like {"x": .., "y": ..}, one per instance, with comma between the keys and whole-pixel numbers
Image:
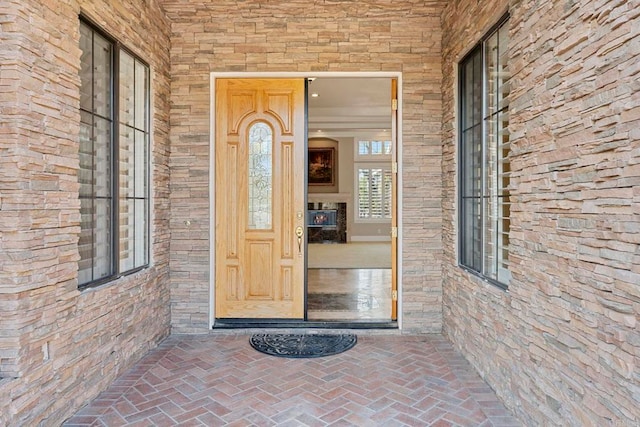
[
  {"x": 220, "y": 380},
  {"x": 349, "y": 294}
]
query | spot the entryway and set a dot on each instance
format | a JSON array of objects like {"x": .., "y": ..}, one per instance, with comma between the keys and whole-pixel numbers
[{"x": 262, "y": 231}]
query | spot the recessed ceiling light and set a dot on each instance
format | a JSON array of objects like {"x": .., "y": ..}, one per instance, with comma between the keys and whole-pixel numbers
[{"x": 315, "y": 95}]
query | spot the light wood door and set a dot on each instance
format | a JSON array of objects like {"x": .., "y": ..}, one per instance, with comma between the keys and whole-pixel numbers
[{"x": 260, "y": 158}]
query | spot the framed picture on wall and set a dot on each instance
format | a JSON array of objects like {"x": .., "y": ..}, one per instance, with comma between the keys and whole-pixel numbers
[{"x": 322, "y": 166}]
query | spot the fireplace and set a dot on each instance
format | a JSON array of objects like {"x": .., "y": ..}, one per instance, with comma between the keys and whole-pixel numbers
[{"x": 327, "y": 222}]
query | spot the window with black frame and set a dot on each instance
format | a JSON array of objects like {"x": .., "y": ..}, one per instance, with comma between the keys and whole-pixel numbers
[
  {"x": 484, "y": 168},
  {"x": 114, "y": 159}
]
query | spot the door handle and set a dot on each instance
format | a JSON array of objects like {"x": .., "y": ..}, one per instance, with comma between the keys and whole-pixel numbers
[{"x": 299, "y": 233}]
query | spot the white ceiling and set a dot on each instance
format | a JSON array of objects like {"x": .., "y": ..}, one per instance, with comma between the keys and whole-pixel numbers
[{"x": 349, "y": 104}]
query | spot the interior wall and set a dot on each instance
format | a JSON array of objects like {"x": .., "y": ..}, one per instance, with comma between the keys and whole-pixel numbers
[
  {"x": 346, "y": 185},
  {"x": 562, "y": 346},
  {"x": 258, "y": 36},
  {"x": 59, "y": 347}
]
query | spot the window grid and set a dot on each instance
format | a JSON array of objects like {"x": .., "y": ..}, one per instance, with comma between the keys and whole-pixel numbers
[
  {"x": 374, "y": 192},
  {"x": 484, "y": 159},
  {"x": 114, "y": 159}
]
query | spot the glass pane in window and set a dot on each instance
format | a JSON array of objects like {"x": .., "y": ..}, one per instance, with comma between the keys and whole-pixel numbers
[
  {"x": 126, "y": 161},
  {"x": 388, "y": 182},
  {"x": 85, "y": 151},
  {"x": 101, "y": 76},
  {"x": 376, "y": 194},
  {"x": 102, "y": 157},
  {"x": 260, "y": 176},
  {"x": 86, "y": 68},
  {"x": 126, "y": 88},
  {"x": 363, "y": 148},
  {"x": 477, "y": 88},
  {"x": 102, "y": 238},
  {"x": 471, "y": 91},
  {"x": 364, "y": 210},
  {"x": 142, "y": 75},
  {"x": 376, "y": 147},
  {"x": 387, "y": 147},
  {"x": 127, "y": 234},
  {"x": 503, "y": 86},
  {"x": 471, "y": 246},
  {"x": 85, "y": 243},
  {"x": 497, "y": 167},
  {"x": 471, "y": 162},
  {"x": 141, "y": 215},
  {"x": 139, "y": 162}
]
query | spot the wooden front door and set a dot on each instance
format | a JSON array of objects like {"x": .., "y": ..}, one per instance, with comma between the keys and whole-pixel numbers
[{"x": 259, "y": 170}]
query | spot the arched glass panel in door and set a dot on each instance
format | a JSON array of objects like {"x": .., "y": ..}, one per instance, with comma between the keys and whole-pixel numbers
[{"x": 260, "y": 176}]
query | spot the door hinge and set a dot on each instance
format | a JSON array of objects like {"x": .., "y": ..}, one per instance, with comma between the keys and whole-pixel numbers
[
  {"x": 394, "y": 105},
  {"x": 394, "y": 231},
  {"x": 394, "y": 295},
  {"x": 394, "y": 167}
]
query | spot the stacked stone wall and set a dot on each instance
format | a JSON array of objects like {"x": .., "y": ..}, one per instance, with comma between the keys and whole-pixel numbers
[
  {"x": 305, "y": 36},
  {"x": 59, "y": 347},
  {"x": 562, "y": 346}
]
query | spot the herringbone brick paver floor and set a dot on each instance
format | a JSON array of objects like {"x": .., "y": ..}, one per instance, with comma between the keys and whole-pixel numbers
[{"x": 220, "y": 380}]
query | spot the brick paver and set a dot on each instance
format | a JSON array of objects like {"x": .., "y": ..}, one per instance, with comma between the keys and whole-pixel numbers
[{"x": 219, "y": 379}]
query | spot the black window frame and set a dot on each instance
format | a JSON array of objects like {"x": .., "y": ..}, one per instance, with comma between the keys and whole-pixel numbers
[
  {"x": 114, "y": 149},
  {"x": 471, "y": 233}
]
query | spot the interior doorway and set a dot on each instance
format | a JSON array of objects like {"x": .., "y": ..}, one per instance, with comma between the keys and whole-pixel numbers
[
  {"x": 292, "y": 232},
  {"x": 351, "y": 199}
]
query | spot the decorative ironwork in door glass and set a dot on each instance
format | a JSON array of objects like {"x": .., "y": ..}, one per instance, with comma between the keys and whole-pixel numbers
[{"x": 260, "y": 176}]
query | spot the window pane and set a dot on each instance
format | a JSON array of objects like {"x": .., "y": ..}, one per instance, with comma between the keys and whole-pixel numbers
[
  {"x": 126, "y": 88},
  {"x": 102, "y": 238},
  {"x": 95, "y": 168},
  {"x": 376, "y": 193},
  {"x": 141, "y": 231},
  {"x": 363, "y": 193},
  {"x": 127, "y": 161},
  {"x": 375, "y": 187},
  {"x": 101, "y": 76},
  {"x": 363, "y": 148},
  {"x": 127, "y": 234},
  {"x": 102, "y": 157},
  {"x": 139, "y": 162},
  {"x": 134, "y": 142},
  {"x": 86, "y": 68},
  {"x": 376, "y": 147},
  {"x": 260, "y": 176},
  {"x": 141, "y": 75},
  {"x": 388, "y": 188},
  {"x": 85, "y": 244},
  {"x": 85, "y": 151},
  {"x": 471, "y": 247}
]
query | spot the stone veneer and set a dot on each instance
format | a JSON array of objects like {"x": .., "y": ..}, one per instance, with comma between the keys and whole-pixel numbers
[
  {"x": 562, "y": 346},
  {"x": 59, "y": 347},
  {"x": 305, "y": 36}
]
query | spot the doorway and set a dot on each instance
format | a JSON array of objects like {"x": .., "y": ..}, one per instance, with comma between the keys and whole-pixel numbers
[
  {"x": 260, "y": 249},
  {"x": 350, "y": 193}
]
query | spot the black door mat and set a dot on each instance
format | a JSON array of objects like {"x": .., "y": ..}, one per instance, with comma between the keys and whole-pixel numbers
[{"x": 300, "y": 346}]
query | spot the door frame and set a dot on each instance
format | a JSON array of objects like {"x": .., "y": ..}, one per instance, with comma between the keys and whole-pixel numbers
[{"x": 212, "y": 159}]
